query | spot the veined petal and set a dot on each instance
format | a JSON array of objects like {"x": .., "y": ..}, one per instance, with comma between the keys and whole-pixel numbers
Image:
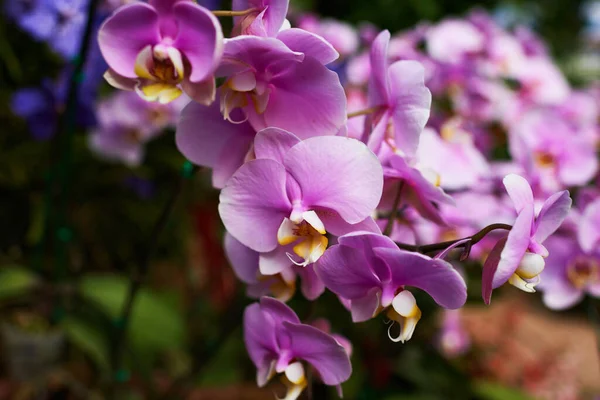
[
  {"x": 346, "y": 272},
  {"x": 378, "y": 82},
  {"x": 321, "y": 350},
  {"x": 310, "y": 44},
  {"x": 254, "y": 203},
  {"x": 489, "y": 270},
  {"x": 411, "y": 104},
  {"x": 306, "y": 99},
  {"x": 353, "y": 183},
  {"x": 516, "y": 245},
  {"x": 437, "y": 277},
  {"x": 274, "y": 143},
  {"x": 199, "y": 38},
  {"x": 123, "y": 35},
  {"x": 552, "y": 214},
  {"x": 243, "y": 260},
  {"x": 519, "y": 191}
]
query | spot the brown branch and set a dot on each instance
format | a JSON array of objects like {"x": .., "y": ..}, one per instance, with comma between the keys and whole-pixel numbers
[{"x": 428, "y": 248}]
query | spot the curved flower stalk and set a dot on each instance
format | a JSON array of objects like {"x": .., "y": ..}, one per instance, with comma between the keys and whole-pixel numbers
[
  {"x": 371, "y": 272},
  {"x": 278, "y": 343},
  {"x": 284, "y": 202},
  {"x": 518, "y": 258},
  {"x": 163, "y": 48}
]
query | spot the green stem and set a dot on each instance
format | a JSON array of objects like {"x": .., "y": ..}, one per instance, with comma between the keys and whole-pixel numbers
[
  {"x": 137, "y": 280},
  {"x": 389, "y": 226}
]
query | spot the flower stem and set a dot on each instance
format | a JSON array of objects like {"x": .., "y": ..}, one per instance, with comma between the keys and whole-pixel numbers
[
  {"x": 469, "y": 240},
  {"x": 389, "y": 226},
  {"x": 137, "y": 279},
  {"x": 227, "y": 13},
  {"x": 366, "y": 111}
]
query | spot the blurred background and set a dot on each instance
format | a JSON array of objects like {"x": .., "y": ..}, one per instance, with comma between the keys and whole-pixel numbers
[{"x": 81, "y": 217}]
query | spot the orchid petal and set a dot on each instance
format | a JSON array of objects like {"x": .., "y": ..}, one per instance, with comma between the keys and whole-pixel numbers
[{"x": 356, "y": 195}]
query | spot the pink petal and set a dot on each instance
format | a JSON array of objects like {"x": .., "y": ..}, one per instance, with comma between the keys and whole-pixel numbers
[
  {"x": 199, "y": 38},
  {"x": 489, "y": 269},
  {"x": 552, "y": 215},
  {"x": 517, "y": 243},
  {"x": 204, "y": 138},
  {"x": 345, "y": 271},
  {"x": 123, "y": 35},
  {"x": 337, "y": 173},
  {"x": 307, "y": 100},
  {"x": 243, "y": 260},
  {"x": 589, "y": 228},
  {"x": 411, "y": 103},
  {"x": 436, "y": 277},
  {"x": 310, "y": 44},
  {"x": 321, "y": 350},
  {"x": 519, "y": 191},
  {"x": 254, "y": 203},
  {"x": 274, "y": 143},
  {"x": 378, "y": 82}
]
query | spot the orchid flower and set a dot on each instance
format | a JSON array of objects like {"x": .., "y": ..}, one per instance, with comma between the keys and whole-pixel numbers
[
  {"x": 419, "y": 188},
  {"x": 283, "y": 203},
  {"x": 403, "y": 102},
  {"x": 163, "y": 48},
  {"x": 519, "y": 257},
  {"x": 281, "y": 284},
  {"x": 280, "y": 86},
  {"x": 372, "y": 273},
  {"x": 570, "y": 274},
  {"x": 278, "y": 343}
]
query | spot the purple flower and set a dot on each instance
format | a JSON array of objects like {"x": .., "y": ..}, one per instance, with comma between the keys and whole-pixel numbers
[
  {"x": 454, "y": 156},
  {"x": 40, "y": 106},
  {"x": 206, "y": 139},
  {"x": 280, "y": 283},
  {"x": 70, "y": 20},
  {"x": 420, "y": 188},
  {"x": 342, "y": 36},
  {"x": 33, "y": 16},
  {"x": 163, "y": 48},
  {"x": 296, "y": 191},
  {"x": 570, "y": 273},
  {"x": 404, "y": 101},
  {"x": 278, "y": 342},
  {"x": 588, "y": 233},
  {"x": 554, "y": 152},
  {"x": 126, "y": 122},
  {"x": 266, "y": 19},
  {"x": 452, "y": 40},
  {"x": 281, "y": 86},
  {"x": 371, "y": 272},
  {"x": 454, "y": 339},
  {"x": 519, "y": 257}
]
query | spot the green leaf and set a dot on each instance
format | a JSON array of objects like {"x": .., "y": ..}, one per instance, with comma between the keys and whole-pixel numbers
[
  {"x": 89, "y": 340},
  {"x": 155, "y": 324},
  {"x": 16, "y": 281},
  {"x": 495, "y": 391}
]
